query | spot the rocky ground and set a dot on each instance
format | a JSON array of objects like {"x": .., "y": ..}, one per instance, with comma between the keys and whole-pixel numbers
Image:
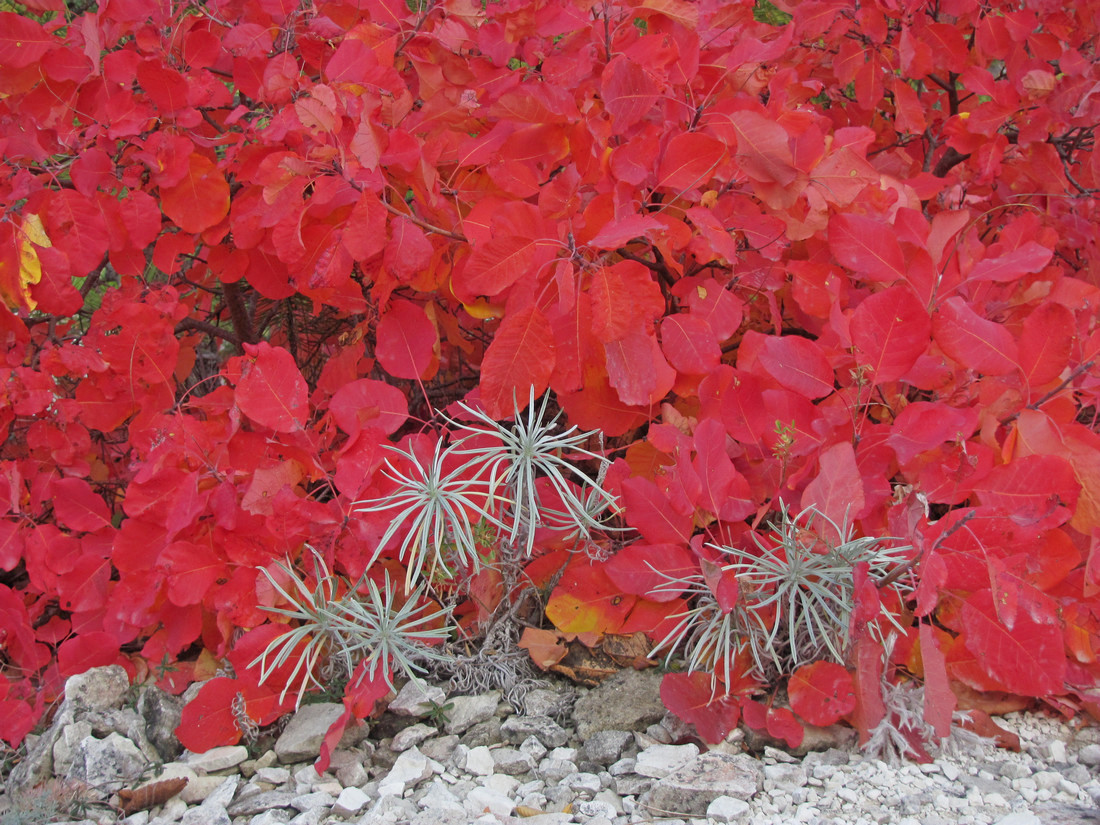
[{"x": 606, "y": 756}]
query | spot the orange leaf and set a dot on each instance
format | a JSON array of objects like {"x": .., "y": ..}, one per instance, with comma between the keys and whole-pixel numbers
[{"x": 200, "y": 200}]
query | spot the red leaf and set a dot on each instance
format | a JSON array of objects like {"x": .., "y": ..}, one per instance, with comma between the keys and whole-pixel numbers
[
  {"x": 868, "y": 246},
  {"x": 406, "y": 341},
  {"x": 77, "y": 507},
  {"x": 496, "y": 265},
  {"x": 271, "y": 390},
  {"x": 200, "y": 200},
  {"x": 870, "y": 709},
  {"x": 364, "y": 233},
  {"x": 612, "y": 305},
  {"x": 691, "y": 696},
  {"x": 939, "y": 700},
  {"x": 689, "y": 161},
  {"x": 972, "y": 341},
  {"x": 690, "y": 344},
  {"x": 762, "y": 148},
  {"x": 1046, "y": 341},
  {"x": 520, "y": 357},
  {"x": 1031, "y": 487},
  {"x": 619, "y": 231},
  {"x": 782, "y": 724},
  {"x": 650, "y": 512},
  {"x": 637, "y": 369},
  {"x": 408, "y": 251},
  {"x": 628, "y": 92},
  {"x": 191, "y": 570},
  {"x": 543, "y": 646},
  {"x": 23, "y": 42},
  {"x": 925, "y": 424},
  {"x": 637, "y": 569},
  {"x": 360, "y": 696},
  {"x": 891, "y": 329},
  {"x": 1031, "y": 257},
  {"x": 586, "y": 601},
  {"x": 369, "y": 403},
  {"x": 208, "y": 721},
  {"x": 837, "y": 490},
  {"x": 1029, "y": 660},
  {"x": 799, "y": 364},
  {"x": 97, "y": 648},
  {"x": 822, "y": 693}
]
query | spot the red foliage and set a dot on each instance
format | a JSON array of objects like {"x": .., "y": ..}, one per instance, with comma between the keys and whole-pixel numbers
[{"x": 805, "y": 255}]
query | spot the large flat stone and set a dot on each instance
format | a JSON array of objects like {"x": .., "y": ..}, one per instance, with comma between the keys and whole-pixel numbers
[{"x": 688, "y": 790}]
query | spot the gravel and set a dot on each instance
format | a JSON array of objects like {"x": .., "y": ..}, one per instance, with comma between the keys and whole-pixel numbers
[{"x": 509, "y": 768}]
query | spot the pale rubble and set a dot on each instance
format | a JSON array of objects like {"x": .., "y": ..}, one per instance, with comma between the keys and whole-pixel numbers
[{"x": 495, "y": 767}]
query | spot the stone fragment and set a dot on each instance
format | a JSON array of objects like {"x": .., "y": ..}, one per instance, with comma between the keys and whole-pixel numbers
[
  {"x": 470, "y": 710},
  {"x": 254, "y": 802},
  {"x": 584, "y": 785},
  {"x": 690, "y": 789},
  {"x": 477, "y": 761},
  {"x": 533, "y": 748},
  {"x": 486, "y": 800},
  {"x": 517, "y": 728},
  {"x": 606, "y": 746},
  {"x": 512, "y": 761},
  {"x": 216, "y": 759},
  {"x": 107, "y": 763},
  {"x": 1019, "y": 818},
  {"x": 1089, "y": 755},
  {"x": 441, "y": 748},
  {"x": 350, "y": 802},
  {"x": 411, "y": 768},
  {"x": 552, "y": 770},
  {"x": 206, "y": 815},
  {"x": 813, "y": 739},
  {"x": 592, "y": 808},
  {"x": 100, "y": 688},
  {"x": 416, "y": 699},
  {"x": 552, "y": 703},
  {"x": 161, "y": 713},
  {"x": 660, "y": 760},
  {"x": 484, "y": 733},
  {"x": 411, "y": 736},
  {"x": 301, "y": 739},
  {"x": 278, "y": 816},
  {"x": 784, "y": 777},
  {"x": 629, "y": 700},
  {"x": 276, "y": 776},
  {"x": 439, "y": 798},
  {"x": 353, "y": 775},
  {"x": 439, "y": 818},
  {"x": 198, "y": 789},
  {"x": 316, "y": 799},
  {"x": 728, "y": 809}
]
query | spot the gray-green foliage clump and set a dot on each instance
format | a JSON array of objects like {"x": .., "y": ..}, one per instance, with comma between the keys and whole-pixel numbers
[
  {"x": 796, "y": 594},
  {"x": 476, "y": 502}
]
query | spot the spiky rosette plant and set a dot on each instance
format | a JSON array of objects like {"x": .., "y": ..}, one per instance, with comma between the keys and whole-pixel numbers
[
  {"x": 516, "y": 456},
  {"x": 796, "y": 597},
  {"x": 339, "y": 624}
]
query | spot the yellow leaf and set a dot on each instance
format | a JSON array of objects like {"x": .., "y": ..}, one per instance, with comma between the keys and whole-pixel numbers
[{"x": 31, "y": 234}]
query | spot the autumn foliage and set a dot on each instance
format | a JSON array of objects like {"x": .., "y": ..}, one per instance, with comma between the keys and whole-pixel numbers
[{"x": 823, "y": 254}]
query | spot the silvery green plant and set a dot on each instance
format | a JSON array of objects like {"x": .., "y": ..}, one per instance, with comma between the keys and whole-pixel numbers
[
  {"x": 434, "y": 511},
  {"x": 341, "y": 625},
  {"x": 515, "y": 457},
  {"x": 796, "y": 596},
  {"x": 477, "y": 489}
]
